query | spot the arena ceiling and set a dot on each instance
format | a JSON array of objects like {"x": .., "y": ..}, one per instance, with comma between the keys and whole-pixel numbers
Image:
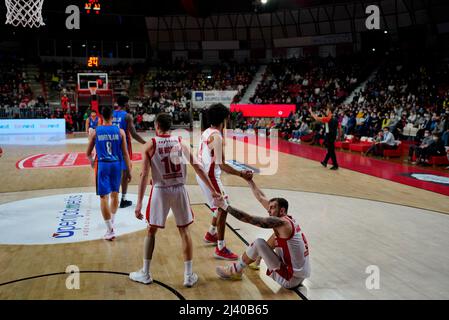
[{"x": 200, "y": 8}]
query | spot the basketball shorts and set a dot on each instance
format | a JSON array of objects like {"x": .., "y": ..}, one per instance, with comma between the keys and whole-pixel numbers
[
  {"x": 293, "y": 282},
  {"x": 216, "y": 182},
  {"x": 108, "y": 177},
  {"x": 162, "y": 199},
  {"x": 285, "y": 277}
]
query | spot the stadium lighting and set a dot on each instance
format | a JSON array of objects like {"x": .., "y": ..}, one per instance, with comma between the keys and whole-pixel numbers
[
  {"x": 263, "y": 1},
  {"x": 374, "y": 49},
  {"x": 385, "y": 31}
]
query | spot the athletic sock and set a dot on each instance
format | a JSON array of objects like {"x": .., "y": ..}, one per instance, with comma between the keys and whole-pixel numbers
[
  {"x": 109, "y": 225},
  {"x": 113, "y": 218},
  {"x": 188, "y": 267},
  {"x": 221, "y": 244},
  {"x": 240, "y": 265},
  {"x": 146, "y": 266},
  {"x": 123, "y": 196},
  {"x": 212, "y": 229}
]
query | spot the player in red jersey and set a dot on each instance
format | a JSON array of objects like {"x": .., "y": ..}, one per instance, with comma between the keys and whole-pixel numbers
[
  {"x": 286, "y": 253},
  {"x": 211, "y": 156},
  {"x": 165, "y": 155}
]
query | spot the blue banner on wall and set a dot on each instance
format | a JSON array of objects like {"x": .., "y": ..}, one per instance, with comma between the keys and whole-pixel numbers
[{"x": 31, "y": 126}]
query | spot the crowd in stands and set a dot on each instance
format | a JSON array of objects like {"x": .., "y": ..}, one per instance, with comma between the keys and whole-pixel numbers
[
  {"x": 310, "y": 81},
  {"x": 17, "y": 99},
  {"x": 62, "y": 77},
  {"x": 168, "y": 87},
  {"x": 409, "y": 97}
]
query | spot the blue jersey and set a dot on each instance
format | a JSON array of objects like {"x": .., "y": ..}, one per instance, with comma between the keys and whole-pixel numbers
[
  {"x": 108, "y": 144},
  {"x": 93, "y": 123},
  {"x": 119, "y": 119}
]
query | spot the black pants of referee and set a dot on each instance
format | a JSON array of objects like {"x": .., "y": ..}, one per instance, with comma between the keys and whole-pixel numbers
[{"x": 330, "y": 146}]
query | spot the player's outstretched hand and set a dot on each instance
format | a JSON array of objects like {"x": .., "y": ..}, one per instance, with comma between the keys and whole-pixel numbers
[
  {"x": 247, "y": 175},
  {"x": 138, "y": 210}
]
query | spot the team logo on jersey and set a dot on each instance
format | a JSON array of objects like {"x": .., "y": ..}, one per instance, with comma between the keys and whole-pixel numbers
[
  {"x": 59, "y": 160},
  {"x": 61, "y": 219},
  {"x": 430, "y": 178}
]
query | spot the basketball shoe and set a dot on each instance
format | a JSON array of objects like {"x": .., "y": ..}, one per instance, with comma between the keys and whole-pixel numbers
[
  {"x": 125, "y": 203},
  {"x": 228, "y": 272},
  {"x": 140, "y": 276},
  {"x": 109, "y": 235},
  {"x": 225, "y": 254},
  {"x": 190, "y": 280},
  {"x": 210, "y": 238},
  {"x": 254, "y": 266}
]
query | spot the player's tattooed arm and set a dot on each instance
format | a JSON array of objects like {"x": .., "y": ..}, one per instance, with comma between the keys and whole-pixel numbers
[
  {"x": 132, "y": 129},
  {"x": 260, "y": 196},
  {"x": 263, "y": 222}
]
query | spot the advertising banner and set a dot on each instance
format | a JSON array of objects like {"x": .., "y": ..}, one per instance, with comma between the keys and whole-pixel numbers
[
  {"x": 32, "y": 126},
  {"x": 264, "y": 110},
  {"x": 202, "y": 99}
]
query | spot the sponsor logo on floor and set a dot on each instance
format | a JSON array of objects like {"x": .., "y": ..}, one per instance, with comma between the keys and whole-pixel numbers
[
  {"x": 430, "y": 178},
  {"x": 62, "y": 218},
  {"x": 59, "y": 160}
]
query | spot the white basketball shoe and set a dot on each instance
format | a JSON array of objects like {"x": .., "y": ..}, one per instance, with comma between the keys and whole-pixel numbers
[
  {"x": 141, "y": 276},
  {"x": 190, "y": 280}
]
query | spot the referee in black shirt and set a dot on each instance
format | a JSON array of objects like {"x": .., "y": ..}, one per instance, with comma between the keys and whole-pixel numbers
[{"x": 331, "y": 130}]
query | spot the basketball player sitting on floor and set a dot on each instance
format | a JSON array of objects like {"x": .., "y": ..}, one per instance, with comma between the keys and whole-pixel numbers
[
  {"x": 286, "y": 252},
  {"x": 110, "y": 143},
  {"x": 166, "y": 155}
]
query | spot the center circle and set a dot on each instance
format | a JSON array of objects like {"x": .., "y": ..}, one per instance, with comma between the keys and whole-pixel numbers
[{"x": 64, "y": 218}]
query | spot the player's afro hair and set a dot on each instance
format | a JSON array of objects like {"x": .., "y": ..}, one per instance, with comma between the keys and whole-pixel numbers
[{"x": 216, "y": 114}]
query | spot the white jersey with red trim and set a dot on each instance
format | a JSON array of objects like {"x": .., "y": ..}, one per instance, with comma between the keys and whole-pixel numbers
[
  {"x": 206, "y": 157},
  {"x": 294, "y": 252},
  {"x": 168, "y": 168}
]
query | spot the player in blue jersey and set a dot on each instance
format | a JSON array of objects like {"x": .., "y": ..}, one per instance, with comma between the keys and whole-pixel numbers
[
  {"x": 92, "y": 122},
  {"x": 110, "y": 143},
  {"x": 124, "y": 121}
]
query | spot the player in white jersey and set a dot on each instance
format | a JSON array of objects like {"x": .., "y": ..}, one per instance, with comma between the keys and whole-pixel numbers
[
  {"x": 211, "y": 157},
  {"x": 286, "y": 253},
  {"x": 166, "y": 155}
]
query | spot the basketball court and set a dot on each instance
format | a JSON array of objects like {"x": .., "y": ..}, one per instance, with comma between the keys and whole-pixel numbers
[
  {"x": 353, "y": 221},
  {"x": 377, "y": 229}
]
